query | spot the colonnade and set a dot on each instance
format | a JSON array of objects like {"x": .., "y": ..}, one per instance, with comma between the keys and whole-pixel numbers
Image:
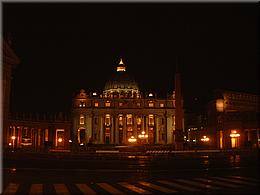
[{"x": 114, "y": 131}]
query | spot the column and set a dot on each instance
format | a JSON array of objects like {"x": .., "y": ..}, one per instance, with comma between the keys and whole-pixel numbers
[
  {"x": 157, "y": 140},
  {"x": 89, "y": 126},
  {"x": 112, "y": 129},
  {"x": 169, "y": 129},
  {"x": 147, "y": 128},
  {"x": 19, "y": 136},
  {"x": 101, "y": 132},
  {"x": 135, "y": 126},
  {"x": 142, "y": 126},
  {"x": 124, "y": 129},
  {"x": 116, "y": 130},
  {"x": 39, "y": 138}
]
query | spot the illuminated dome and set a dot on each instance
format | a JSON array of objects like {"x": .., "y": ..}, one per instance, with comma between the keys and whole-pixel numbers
[{"x": 121, "y": 83}]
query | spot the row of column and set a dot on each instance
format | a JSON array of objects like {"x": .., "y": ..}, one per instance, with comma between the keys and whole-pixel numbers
[
  {"x": 115, "y": 130},
  {"x": 23, "y": 136}
]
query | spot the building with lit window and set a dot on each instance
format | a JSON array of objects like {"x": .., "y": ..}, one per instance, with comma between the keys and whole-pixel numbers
[
  {"x": 122, "y": 114},
  {"x": 233, "y": 120}
]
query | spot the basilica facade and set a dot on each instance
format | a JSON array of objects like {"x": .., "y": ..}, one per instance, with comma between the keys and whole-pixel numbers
[{"x": 122, "y": 114}]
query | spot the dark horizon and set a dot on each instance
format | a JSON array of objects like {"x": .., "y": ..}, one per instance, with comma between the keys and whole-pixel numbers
[{"x": 65, "y": 47}]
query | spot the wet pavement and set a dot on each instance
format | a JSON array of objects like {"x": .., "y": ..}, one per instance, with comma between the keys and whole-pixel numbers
[{"x": 132, "y": 169}]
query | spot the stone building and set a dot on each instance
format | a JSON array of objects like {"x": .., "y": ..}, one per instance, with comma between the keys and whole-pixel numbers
[
  {"x": 233, "y": 120},
  {"x": 122, "y": 114}
]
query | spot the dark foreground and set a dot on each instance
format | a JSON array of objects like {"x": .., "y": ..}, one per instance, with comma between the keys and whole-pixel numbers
[{"x": 206, "y": 173}]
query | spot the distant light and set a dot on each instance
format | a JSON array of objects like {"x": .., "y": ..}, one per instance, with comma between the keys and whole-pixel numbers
[
  {"x": 120, "y": 69},
  {"x": 150, "y": 95},
  {"x": 205, "y": 139},
  {"x": 70, "y": 140},
  {"x": 60, "y": 140},
  {"x": 234, "y": 134},
  {"x": 94, "y": 93},
  {"x": 194, "y": 140},
  {"x": 13, "y": 137},
  {"x": 142, "y": 135},
  {"x": 220, "y": 105},
  {"x": 10, "y": 144},
  {"x": 132, "y": 139},
  {"x": 81, "y": 144}
]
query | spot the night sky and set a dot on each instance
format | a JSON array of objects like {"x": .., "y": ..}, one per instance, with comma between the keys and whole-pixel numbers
[{"x": 66, "y": 47}]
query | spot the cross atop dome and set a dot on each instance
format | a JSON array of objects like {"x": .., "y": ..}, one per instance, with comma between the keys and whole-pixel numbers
[{"x": 121, "y": 66}]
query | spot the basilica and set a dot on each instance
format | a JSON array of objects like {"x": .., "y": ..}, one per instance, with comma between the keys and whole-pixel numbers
[
  {"x": 119, "y": 115},
  {"x": 122, "y": 114}
]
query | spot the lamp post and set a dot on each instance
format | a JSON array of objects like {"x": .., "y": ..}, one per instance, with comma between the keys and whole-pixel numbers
[
  {"x": 132, "y": 139},
  {"x": 142, "y": 136},
  {"x": 13, "y": 138}
]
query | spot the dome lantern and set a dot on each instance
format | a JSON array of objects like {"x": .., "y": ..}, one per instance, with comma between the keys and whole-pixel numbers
[{"x": 121, "y": 66}]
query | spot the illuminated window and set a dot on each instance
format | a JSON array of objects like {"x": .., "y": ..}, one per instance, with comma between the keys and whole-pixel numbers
[
  {"x": 81, "y": 120},
  {"x": 129, "y": 119},
  {"x": 151, "y": 120},
  {"x": 161, "y": 105},
  {"x": 96, "y": 104},
  {"x": 107, "y": 104},
  {"x": 120, "y": 120},
  {"x": 139, "y": 121},
  {"x": 107, "y": 120},
  {"x": 59, "y": 141},
  {"x": 151, "y": 104},
  {"x": 120, "y": 104}
]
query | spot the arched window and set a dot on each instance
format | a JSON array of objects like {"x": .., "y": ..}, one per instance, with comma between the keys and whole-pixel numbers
[
  {"x": 107, "y": 104},
  {"x": 129, "y": 119},
  {"x": 150, "y": 104},
  {"x": 139, "y": 121},
  {"x": 81, "y": 119},
  {"x": 120, "y": 120},
  {"x": 107, "y": 120},
  {"x": 151, "y": 120}
]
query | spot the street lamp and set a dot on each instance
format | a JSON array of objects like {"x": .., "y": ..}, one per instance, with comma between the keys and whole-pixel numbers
[
  {"x": 142, "y": 135},
  {"x": 13, "y": 138},
  {"x": 205, "y": 139},
  {"x": 132, "y": 139},
  {"x": 234, "y": 134}
]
